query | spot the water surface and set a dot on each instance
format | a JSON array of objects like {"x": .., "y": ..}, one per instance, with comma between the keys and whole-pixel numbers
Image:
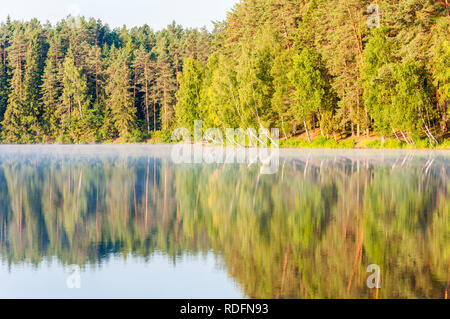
[{"x": 140, "y": 226}]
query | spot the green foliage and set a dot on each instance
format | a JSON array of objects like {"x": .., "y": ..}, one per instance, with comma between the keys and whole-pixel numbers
[
  {"x": 188, "y": 96},
  {"x": 320, "y": 142},
  {"x": 161, "y": 137},
  {"x": 75, "y": 102},
  {"x": 390, "y": 143},
  {"x": 80, "y": 82},
  {"x": 370, "y": 144},
  {"x": 377, "y": 76},
  {"x": 283, "y": 97},
  {"x": 444, "y": 145},
  {"x": 348, "y": 143},
  {"x": 420, "y": 144},
  {"x": 300, "y": 66},
  {"x": 220, "y": 104},
  {"x": 412, "y": 100},
  {"x": 309, "y": 79},
  {"x": 440, "y": 68},
  {"x": 120, "y": 95}
]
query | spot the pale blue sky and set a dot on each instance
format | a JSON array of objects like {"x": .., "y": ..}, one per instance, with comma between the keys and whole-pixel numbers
[{"x": 156, "y": 13}]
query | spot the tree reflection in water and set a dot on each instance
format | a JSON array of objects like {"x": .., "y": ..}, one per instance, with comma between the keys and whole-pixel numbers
[{"x": 309, "y": 231}]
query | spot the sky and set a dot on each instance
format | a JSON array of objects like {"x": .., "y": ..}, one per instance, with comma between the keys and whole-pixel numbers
[{"x": 156, "y": 13}]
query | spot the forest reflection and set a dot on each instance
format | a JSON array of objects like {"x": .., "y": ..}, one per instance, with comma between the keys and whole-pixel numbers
[{"x": 309, "y": 231}]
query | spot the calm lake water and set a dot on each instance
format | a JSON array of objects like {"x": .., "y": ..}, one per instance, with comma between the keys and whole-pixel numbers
[{"x": 137, "y": 225}]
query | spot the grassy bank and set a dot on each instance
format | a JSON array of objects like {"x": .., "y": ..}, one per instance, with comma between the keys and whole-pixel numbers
[
  {"x": 319, "y": 141},
  {"x": 344, "y": 143},
  {"x": 299, "y": 141},
  {"x": 323, "y": 142}
]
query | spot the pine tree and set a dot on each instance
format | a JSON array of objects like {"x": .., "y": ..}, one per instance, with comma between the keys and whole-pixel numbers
[
  {"x": 75, "y": 102},
  {"x": 52, "y": 86},
  {"x": 4, "y": 77},
  {"x": 341, "y": 30},
  {"x": 79, "y": 81},
  {"x": 283, "y": 97},
  {"x": 119, "y": 93},
  {"x": 17, "y": 117},
  {"x": 166, "y": 86},
  {"x": 94, "y": 69},
  {"x": 145, "y": 71},
  {"x": 440, "y": 69},
  {"x": 35, "y": 61}
]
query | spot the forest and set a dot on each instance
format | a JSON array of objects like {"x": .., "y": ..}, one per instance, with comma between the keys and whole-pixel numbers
[
  {"x": 308, "y": 231},
  {"x": 308, "y": 67}
]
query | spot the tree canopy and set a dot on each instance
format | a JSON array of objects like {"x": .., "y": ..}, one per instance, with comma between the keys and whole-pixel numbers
[{"x": 296, "y": 65}]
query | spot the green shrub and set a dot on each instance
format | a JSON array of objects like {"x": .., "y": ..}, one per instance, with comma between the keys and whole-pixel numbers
[
  {"x": 321, "y": 141},
  {"x": 370, "y": 144},
  {"x": 390, "y": 143},
  {"x": 63, "y": 139},
  {"x": 445, "y": 145},
  {"x": 136, "y": 136},
  {"x": 421, "y": 144},
  {"x": 293, "y": 143},
  {"x": 347, "y": 144},
  {"x": 164, "y": 136}
]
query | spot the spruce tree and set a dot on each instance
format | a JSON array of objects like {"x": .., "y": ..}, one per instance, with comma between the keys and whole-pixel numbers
[
  {"x": 52, "y": 86},
  {"x": 75, "y": 103},
  {"x": 14, "y": 126},
  {"x": 119, "y": 93},
  {"x": 4, "y": 78}
]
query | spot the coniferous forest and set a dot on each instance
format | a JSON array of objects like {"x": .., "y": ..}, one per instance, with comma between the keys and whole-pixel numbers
[{"x": 302, "y": 66}]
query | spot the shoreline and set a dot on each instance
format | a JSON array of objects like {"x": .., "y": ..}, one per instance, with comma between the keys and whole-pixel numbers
[{"x": 443, "y": 147}]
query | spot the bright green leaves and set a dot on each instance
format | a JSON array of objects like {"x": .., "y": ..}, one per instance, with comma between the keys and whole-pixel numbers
[{"x": 188, "y": 96}]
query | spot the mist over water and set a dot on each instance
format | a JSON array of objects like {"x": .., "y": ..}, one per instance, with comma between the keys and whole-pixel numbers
[{"x": 223, "y": 230}]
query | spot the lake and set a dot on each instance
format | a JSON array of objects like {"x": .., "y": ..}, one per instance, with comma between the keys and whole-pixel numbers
[{"x": 129, "y": 222}]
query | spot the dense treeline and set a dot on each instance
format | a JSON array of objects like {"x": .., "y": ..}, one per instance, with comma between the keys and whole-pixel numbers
[
  {"x": 298, "y": 65},
  {"x": 303, "y": 65},
  {"x": 81, "y": 82},
  {"x": 311, "y": 235}
]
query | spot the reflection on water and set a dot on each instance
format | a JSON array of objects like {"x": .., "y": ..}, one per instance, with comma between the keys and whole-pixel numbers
[
  {"x": 157, "y": 276},
  {"x": 309, "y": 231}
]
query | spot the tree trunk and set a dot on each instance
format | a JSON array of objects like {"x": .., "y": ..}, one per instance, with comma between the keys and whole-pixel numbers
[
  {"x": 146, "y": 107},
  {"x": 284, "y": 131},
  {"x": 307, "y": 130},
  {"x": 405, "y": 138},
  {"x": 154, "y": 117},
  {"x": 320, "y": 123},
  {"x": 396, "y": 136},
  {"x": 444, "y": 118}
]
